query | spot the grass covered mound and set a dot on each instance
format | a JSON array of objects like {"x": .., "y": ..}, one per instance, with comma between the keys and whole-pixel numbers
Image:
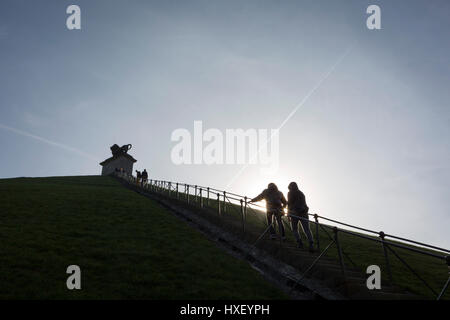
[{"x": 127, "y": 246}]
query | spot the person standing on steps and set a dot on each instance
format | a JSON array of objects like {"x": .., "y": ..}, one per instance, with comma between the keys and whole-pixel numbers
[
  {"x": 275, "y": 202},
  {"x": 144, "y": 177},
  {"x": 138, "y": 177},
  {"x": 298, "y": 211}
]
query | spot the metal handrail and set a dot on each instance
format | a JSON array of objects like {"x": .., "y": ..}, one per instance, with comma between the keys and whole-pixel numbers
[
  {"x": 161, "y": 185},
  {"x": 324, "y": 218}
]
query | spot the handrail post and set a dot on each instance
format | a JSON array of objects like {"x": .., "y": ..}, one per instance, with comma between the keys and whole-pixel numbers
[
  {"x": 316, "y": 217},
  {"x": 338, "y": 245},
  {"x": 170, "y": 188},
  {"x": 207, "y": 196},
  {"x": 245, "y": 210},
  {"x": 201, "y": 198},
  {"x": 447, "y": 259},
  {"x": 386, "y": 257},
  {"x": 242, "y": 215},
  {"x": 195, "y": 194},
  {"x": 224, "y": 202},
  {"x": 218, "y": 204},
  {"x": 187, "y": 193},
  {"x": 177, "y": 194}
]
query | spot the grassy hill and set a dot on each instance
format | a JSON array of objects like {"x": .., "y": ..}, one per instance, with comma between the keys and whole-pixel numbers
[{"x": 126, "y": 246}]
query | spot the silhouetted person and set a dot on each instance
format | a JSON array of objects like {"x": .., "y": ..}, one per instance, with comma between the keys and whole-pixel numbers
[
  {"x": 275, "y": 202},
  {"x": 144, "y": 177},
  {"x": 297, "y": 207},
  {"x": 138, "y": 177}
]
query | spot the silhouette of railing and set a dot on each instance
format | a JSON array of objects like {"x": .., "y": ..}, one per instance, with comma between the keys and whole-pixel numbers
[{"x": 223, "y": 201}]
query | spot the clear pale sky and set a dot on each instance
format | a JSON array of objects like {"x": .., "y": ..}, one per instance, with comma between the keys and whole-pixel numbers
[{"x": 370, "y": 146}]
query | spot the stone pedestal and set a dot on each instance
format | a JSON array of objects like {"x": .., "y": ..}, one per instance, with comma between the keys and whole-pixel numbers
[{"x": 122, "y": 161}]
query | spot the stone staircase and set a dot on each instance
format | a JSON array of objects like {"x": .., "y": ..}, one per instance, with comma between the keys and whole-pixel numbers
[
  {"x": 325, "y": 275},
  {"x": 328, "y": 271}
]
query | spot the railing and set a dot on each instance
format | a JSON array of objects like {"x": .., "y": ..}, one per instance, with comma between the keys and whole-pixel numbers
[{"x": 222, "y": 202}]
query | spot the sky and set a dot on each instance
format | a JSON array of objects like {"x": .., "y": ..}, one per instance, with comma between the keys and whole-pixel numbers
[{"x": 368, "y": 142}]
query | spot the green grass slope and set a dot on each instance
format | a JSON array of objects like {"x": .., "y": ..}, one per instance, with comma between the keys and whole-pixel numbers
[{"x": 126, "y": 246}]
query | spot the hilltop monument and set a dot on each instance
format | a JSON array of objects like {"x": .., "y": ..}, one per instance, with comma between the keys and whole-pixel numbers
[{"x": 120, "y": 160}]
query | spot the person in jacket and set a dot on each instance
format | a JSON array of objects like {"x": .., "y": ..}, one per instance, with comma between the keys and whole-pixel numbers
[
  {"x": 275, "y": 202},
  {"x": 138, "y": 177},
  {"x": 144, "y": 177},
  {"x": 298, "y": 212}
]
